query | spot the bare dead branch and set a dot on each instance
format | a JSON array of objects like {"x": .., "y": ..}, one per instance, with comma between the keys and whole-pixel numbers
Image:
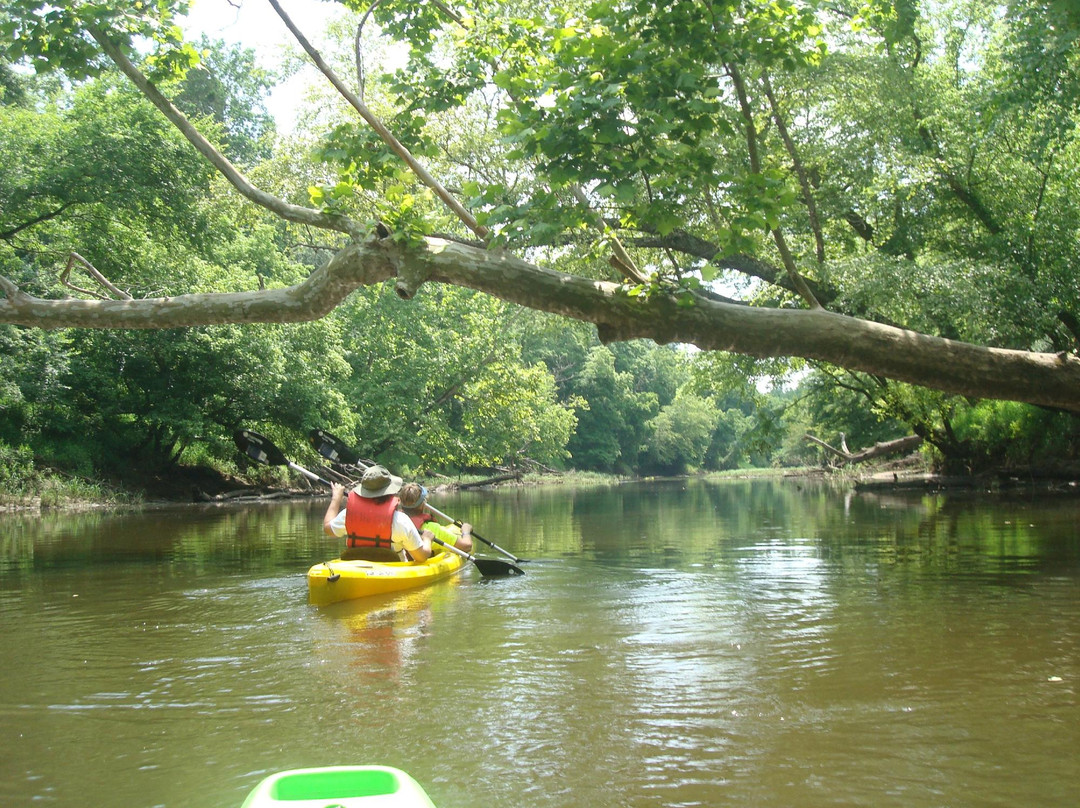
[
  {"x": 95, "y": 274},
  {"x": 880, "y": 449}
]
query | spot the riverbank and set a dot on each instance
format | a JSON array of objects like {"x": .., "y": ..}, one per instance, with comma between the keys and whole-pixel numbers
[{"x": 202, "y": 486}]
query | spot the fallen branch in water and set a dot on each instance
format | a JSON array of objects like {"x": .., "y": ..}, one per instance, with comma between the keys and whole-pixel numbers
[{"x": 881, "y": 449}]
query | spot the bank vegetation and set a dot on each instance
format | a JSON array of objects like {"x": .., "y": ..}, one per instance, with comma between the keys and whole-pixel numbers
[{"x": 558, "y": 239}]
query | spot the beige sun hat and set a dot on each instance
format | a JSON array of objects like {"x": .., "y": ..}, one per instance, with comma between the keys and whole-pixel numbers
[{"x": 378, "y": 482}]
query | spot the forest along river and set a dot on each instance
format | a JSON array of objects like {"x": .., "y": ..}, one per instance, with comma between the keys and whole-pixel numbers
[{"x": 764, "y": 643}]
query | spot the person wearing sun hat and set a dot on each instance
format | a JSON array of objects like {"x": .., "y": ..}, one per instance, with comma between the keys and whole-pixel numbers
[
  {"x": 370, "y": 522},
  {"x": 413, "y": 496}
]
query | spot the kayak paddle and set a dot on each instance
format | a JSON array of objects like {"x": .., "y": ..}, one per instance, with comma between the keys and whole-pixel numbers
[
  {"x": 262, "y": 449},
  {"x": 492, "y": 544},
  {"x": 334, "y": 449},
  {"x": 487, "y": 566},
  {"x": 337, "y": 451}
]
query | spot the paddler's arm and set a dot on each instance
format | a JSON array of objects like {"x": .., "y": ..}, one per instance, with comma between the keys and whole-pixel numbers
[
  {"x": 466, "y": 538},
  {"x": 424, "y": 551},
  {"x": 337, "y": 497},
  {"x": 427, "y": 537},
  {"x": 407, "y": 537}
]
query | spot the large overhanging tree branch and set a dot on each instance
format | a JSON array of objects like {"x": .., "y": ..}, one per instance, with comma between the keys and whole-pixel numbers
[
  {"x": 664, "y": 315},
  {"x": 1051, "y": 380}
]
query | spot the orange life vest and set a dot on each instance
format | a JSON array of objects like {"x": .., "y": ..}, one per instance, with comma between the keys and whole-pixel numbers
[
  {"x": 419, "y": 518},
  {"x": 369, "y": 522}
]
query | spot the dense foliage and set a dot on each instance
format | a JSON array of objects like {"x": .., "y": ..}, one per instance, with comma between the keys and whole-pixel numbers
[{"x": 921, "y": 158}]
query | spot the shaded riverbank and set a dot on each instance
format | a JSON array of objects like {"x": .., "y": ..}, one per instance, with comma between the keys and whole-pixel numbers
[{"x": 202, "y": 485}]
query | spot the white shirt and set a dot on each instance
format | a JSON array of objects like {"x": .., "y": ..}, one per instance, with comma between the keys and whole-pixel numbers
[{"x": 403, "y": 533}]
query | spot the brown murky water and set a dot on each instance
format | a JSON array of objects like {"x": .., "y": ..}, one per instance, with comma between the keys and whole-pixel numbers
[{"x": 674, "y": 644}]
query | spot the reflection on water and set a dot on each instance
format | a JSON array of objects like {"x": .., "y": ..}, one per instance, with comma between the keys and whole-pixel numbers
[
  {"x": 381, "y": 639},
  {"x": 676, "y": 643}
]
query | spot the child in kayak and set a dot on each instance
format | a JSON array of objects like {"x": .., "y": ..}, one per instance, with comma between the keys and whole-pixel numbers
[{"x": 412, "y": 498}]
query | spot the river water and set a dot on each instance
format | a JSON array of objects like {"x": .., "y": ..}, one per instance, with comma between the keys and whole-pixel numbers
[{"x": 676, "y": 643}]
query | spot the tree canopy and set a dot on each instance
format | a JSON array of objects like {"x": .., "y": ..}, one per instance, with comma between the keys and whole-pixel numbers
[{"x": 882, "y": 185}]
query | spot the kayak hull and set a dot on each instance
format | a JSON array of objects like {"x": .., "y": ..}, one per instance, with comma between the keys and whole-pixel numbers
[
  {"x": 337, "y": 580},
  {"x": 341, "y": 787}
]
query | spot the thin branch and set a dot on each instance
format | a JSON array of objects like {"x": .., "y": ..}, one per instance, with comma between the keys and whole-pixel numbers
[
  {"x": 622, "y": 260},
  {"x": 283, "y": 209},
  {"x": 800, "y": 169},
  {"x": 1037, "y": 207},
  {"x": 44, "y": 217},
  {"x": 755, "y": 165},
  {"x": 449, "y": 12},
  {"x": 824, "y": 445},
  {"x": 681, "y": 241},
  {"x": 358, "y": 51},
  {"x": 962, "y": 192},
  {"x": 373, "y": 121}
]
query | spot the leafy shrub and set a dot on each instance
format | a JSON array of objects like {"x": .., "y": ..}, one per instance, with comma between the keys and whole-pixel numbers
[
  {"x": 18, "y": 478},
  {"x": 1008, "y": 434}
]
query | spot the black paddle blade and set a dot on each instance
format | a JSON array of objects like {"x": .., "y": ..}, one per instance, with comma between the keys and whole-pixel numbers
[
  {"x": 259, "y": 448},
  {"x": 332, "y": 448},
  {"x": 496, "y": 567},
  {"x": 494, "y": 546}
]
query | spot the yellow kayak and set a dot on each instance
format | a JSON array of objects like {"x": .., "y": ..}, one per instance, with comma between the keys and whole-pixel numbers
[{"x": 337, "y": 580}]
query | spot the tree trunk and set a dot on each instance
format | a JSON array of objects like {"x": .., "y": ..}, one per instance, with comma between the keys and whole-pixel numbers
[
  {"x": 490, "y": 481},
  {"x": 881, "y": 449}
]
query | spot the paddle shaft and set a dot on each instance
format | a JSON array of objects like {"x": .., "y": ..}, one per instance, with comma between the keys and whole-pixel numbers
[
  {"x": 457, "y": 522},
  {"x": 454, "y": 549},
  {"x": 311, "y": 475},
  {"x": 487, "y": 566}
]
